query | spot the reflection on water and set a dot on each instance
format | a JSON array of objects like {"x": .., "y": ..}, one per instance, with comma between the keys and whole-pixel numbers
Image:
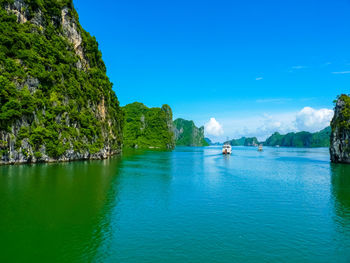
[
  {"x": 341, "y": 193},
  {"x": 56, "y": 212},
  {"x": 340, "y": 189},
  {"x": 189, "y": 205}
]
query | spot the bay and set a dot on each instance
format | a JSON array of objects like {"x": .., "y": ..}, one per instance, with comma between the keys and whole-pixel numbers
[{"x": 189, "y": 205}]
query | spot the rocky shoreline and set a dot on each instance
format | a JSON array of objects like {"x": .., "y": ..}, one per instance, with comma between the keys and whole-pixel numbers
[{"x": 64, "y": 159}]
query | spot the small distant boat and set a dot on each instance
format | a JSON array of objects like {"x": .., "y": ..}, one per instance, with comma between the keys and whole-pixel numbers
[
  {"x": 260, "y": 148},
  {"x": 226, "y": 149}
]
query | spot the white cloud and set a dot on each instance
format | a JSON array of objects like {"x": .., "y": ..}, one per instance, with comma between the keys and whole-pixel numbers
[
  {"x": 264, "y": 125},
  {"x": 309, "y": 119},
  {"x": 269, "y": 124},
  {"x": 259, "y": 78},
  {"x": 213, "y": 127},
  {"x": 341, "y": 72}
]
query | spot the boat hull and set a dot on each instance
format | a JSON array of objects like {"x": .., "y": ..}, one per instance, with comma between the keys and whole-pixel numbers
[
  {"x": 226, "y": 152},
  {"x": 226, "y": 149}
]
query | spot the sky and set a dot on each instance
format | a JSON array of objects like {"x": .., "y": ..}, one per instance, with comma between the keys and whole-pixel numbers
[{"x": 240, "y": 68}]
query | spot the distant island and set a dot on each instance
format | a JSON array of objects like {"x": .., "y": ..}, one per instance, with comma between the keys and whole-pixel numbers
[
  {"x": 148, "y": 127},
  {"x": 187, "y": 134},
  {"x": 253, "y": 141},
  {"x": 292, "y": 139},
  {"x": 301, "y": 139},
  {"x": 209, "y": 142}
]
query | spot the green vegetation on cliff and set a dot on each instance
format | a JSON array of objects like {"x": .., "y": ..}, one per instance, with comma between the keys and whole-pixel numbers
[
  {"x": 301, "y": 139},
  {"x": 55, "y": 96},
  {"x": 343, "y": 117},
  {"x": 187, "y": 134},
  {"x": 253, "y": 141},
  {"x": 148, "y": 127}
]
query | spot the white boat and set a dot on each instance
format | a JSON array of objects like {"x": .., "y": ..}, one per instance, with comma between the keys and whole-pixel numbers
[
  {"x": 260, "y": 148},
  {"x": 226, "y": 149}
]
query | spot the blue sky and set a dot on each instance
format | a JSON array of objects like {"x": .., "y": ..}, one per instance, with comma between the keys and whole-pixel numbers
[{"x": 248, "y": 64}]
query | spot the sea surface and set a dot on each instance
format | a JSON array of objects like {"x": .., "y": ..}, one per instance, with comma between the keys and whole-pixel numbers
[{"x": 189, "y": 205}]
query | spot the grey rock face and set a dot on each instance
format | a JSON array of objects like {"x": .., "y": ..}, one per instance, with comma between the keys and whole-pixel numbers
[
  {"x": 72, "y": 33},
  {"x": 19, "y": 8},
  {"x": 340, "y": 136}
]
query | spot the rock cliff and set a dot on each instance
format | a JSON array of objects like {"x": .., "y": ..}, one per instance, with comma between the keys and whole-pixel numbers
[
  {"x": 148, "y": 127},
  {"x": 340, "y": 136},
  {"x": 56, "y": 101},
  {"x": 187, "y": 134}
]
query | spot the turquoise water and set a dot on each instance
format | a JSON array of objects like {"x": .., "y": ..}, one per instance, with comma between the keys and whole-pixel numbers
[{"x": 189, "y": 205}]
